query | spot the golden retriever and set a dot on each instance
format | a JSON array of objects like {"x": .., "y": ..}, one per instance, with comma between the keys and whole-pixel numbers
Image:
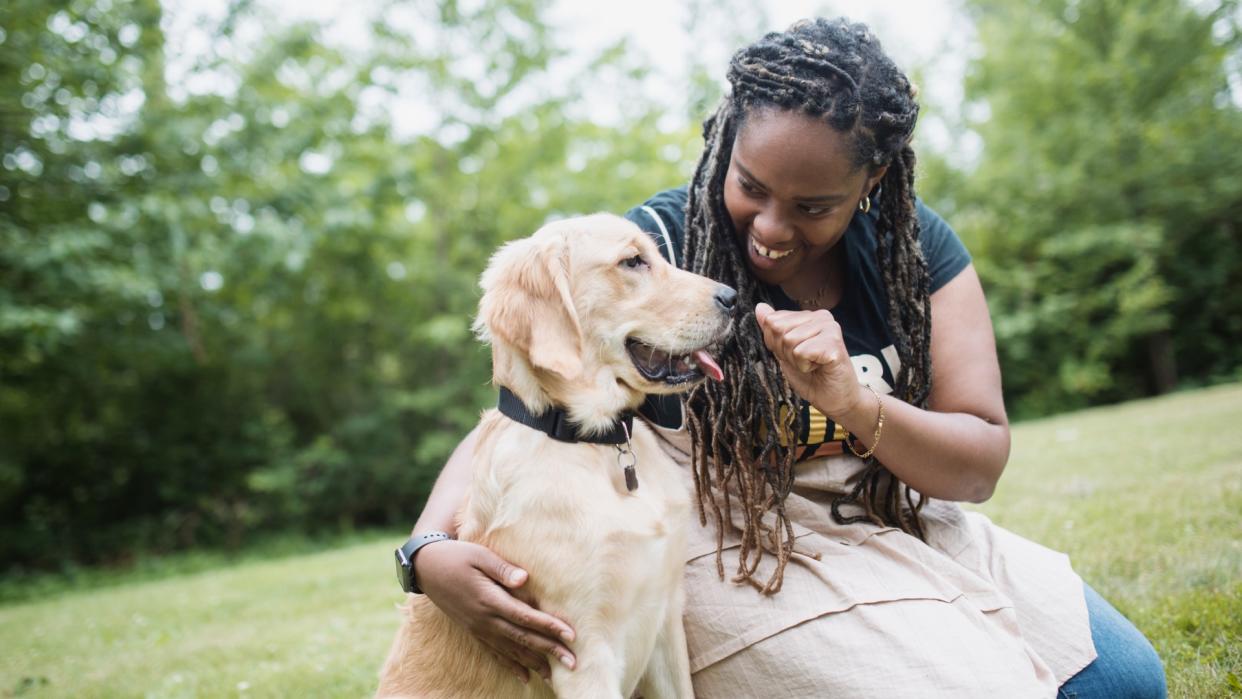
[{"x": 585, "y": 315}]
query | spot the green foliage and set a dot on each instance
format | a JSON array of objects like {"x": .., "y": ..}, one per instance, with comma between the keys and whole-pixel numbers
[
  {"x": 228, "y": 309},
  {"x": 235, "y": 288},
  {"x": 1103, "y": 211}
]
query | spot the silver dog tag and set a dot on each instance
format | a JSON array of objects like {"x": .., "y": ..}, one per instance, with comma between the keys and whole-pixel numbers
[{"x": 627, "y": 461}]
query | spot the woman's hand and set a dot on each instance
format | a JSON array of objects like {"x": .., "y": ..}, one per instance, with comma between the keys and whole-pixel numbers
[
  {"x": 811, "y": 351},
  {"x": 471, "y": 585}
]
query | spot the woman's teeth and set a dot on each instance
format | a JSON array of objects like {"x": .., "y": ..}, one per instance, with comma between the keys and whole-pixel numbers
[{"x": 769, "y": 252}]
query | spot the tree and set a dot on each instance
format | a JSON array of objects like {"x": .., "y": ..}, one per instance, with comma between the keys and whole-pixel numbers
[
  {"x": 248, "y": 306},
  {"x": 1103, "y": 210}
]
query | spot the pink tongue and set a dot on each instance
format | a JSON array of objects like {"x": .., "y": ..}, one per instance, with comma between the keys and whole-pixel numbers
[{"x": 708, "y": 365}]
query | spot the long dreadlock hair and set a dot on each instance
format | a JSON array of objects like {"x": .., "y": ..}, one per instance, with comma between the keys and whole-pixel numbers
[{"x": 837, "y": 71}]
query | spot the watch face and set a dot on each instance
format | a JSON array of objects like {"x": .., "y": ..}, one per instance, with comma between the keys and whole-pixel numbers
[{"x": 403, "y": 576}]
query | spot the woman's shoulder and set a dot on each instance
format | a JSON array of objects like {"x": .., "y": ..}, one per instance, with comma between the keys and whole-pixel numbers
[
  {"x": 663, "y": 217},
  {"x": 943, "y": 250}
]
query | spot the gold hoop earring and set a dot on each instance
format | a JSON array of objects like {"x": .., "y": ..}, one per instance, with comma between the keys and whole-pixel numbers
[{"x": 865, "y": 205}]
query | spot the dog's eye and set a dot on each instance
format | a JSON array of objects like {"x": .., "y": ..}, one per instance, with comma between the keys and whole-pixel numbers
[{"x": 633, "y": 262}]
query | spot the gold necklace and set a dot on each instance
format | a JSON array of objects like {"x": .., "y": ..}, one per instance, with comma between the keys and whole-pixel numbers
[{"x": 815, "y": 300}]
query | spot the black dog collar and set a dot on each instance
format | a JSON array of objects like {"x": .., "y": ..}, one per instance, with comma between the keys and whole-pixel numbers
[{"x": 555, "y": 422}]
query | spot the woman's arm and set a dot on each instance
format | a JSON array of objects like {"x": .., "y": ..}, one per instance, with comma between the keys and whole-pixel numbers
[
  {"x": 471, "y": 584},
  {"x": 440, "y": 512},
  {"x": 956, "y": 449}
]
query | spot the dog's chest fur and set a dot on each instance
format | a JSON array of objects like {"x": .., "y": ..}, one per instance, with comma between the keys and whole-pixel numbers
[{"x": 600, "y": 556}]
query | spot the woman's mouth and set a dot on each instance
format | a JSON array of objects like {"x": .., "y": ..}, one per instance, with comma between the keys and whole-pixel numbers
[
  {"x": 764, "y": 251},
  {"x": 763, "y": 258}
]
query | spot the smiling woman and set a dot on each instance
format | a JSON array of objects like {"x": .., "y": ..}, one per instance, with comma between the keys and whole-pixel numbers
[{"x": 861, "y": 402}]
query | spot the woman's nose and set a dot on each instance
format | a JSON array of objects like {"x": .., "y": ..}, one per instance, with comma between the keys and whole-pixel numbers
[{"x": 770, "y": 227}]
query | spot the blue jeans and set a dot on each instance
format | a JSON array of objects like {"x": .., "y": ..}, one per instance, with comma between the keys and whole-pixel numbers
[{"x": 1127, "y": 666}]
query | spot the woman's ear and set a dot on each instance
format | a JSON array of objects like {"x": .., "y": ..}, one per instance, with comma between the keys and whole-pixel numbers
[
  {"x": 527, "y": 304},
  {"x": 874, "y": 179}
]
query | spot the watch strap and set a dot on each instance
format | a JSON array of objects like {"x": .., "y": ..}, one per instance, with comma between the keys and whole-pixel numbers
[{"x": 405, "y": 557}]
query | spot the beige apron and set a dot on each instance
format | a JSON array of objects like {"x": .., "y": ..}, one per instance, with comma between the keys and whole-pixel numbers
[{"x": 976, "y": 611}]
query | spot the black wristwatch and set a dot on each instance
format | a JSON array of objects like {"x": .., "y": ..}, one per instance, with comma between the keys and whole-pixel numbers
[{"x": 405, "y": 558}]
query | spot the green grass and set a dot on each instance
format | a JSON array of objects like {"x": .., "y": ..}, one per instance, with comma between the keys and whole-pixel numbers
[
  {"x": 1145, "y": 497},
  {"x": 146, "y": 566},
  {"x": 299, "y": 626}
]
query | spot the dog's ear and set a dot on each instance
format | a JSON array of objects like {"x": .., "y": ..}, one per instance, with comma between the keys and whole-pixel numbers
[{"x": 527, "y": 303}]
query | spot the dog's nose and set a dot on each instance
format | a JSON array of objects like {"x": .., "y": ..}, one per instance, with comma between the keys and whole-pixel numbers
[{"x": 725, "y": 298}]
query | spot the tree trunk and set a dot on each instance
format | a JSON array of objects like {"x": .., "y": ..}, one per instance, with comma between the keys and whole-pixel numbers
[{"x": 1162, "y": 364}]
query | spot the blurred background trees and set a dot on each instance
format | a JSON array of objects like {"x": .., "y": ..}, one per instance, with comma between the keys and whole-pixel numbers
[
  {"x": 227, "y": 310},
  {"x": 1103, "y": 212},
  {"x": 244, "y": 308}
]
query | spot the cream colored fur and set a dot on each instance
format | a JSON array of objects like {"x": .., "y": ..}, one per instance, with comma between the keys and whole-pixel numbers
[{"x": 557, "y": 309}]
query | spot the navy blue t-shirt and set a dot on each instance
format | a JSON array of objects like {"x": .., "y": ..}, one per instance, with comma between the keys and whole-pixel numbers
[{"x": 862, "y": 311}]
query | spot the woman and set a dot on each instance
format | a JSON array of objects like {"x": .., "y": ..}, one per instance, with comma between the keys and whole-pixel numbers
[{"x": 863, "y": 401}]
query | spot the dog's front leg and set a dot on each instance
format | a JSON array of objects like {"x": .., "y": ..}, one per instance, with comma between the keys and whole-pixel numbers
[
  {"x": 596, "y": 674},
  {"x": 668, "y": 672}
]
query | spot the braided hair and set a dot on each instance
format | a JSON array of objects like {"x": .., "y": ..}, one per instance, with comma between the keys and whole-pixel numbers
[{"x": 836, "y": 71}]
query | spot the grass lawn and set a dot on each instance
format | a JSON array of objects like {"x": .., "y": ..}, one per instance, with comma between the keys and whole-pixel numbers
[{"x": 1146, "y": 498}]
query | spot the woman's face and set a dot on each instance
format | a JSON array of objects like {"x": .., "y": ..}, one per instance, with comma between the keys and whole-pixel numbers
[{"x": 791, "y": 191}]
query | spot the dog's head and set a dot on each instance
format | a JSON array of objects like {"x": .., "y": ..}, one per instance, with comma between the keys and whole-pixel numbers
[{"x": 588, "y": 315}]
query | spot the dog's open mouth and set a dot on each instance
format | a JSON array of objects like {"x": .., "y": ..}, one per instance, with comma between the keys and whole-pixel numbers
[{"x": 659, "y": 365}]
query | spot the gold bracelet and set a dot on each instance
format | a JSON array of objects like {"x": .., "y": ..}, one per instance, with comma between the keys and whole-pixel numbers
[{"x": 879, "y": 427}]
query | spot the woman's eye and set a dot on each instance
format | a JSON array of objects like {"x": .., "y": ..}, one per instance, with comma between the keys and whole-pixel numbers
[
  {"x": 747, "y": 186},
  {"x": 633, "y": 262},
  {"x": 816, "y": 210}
]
